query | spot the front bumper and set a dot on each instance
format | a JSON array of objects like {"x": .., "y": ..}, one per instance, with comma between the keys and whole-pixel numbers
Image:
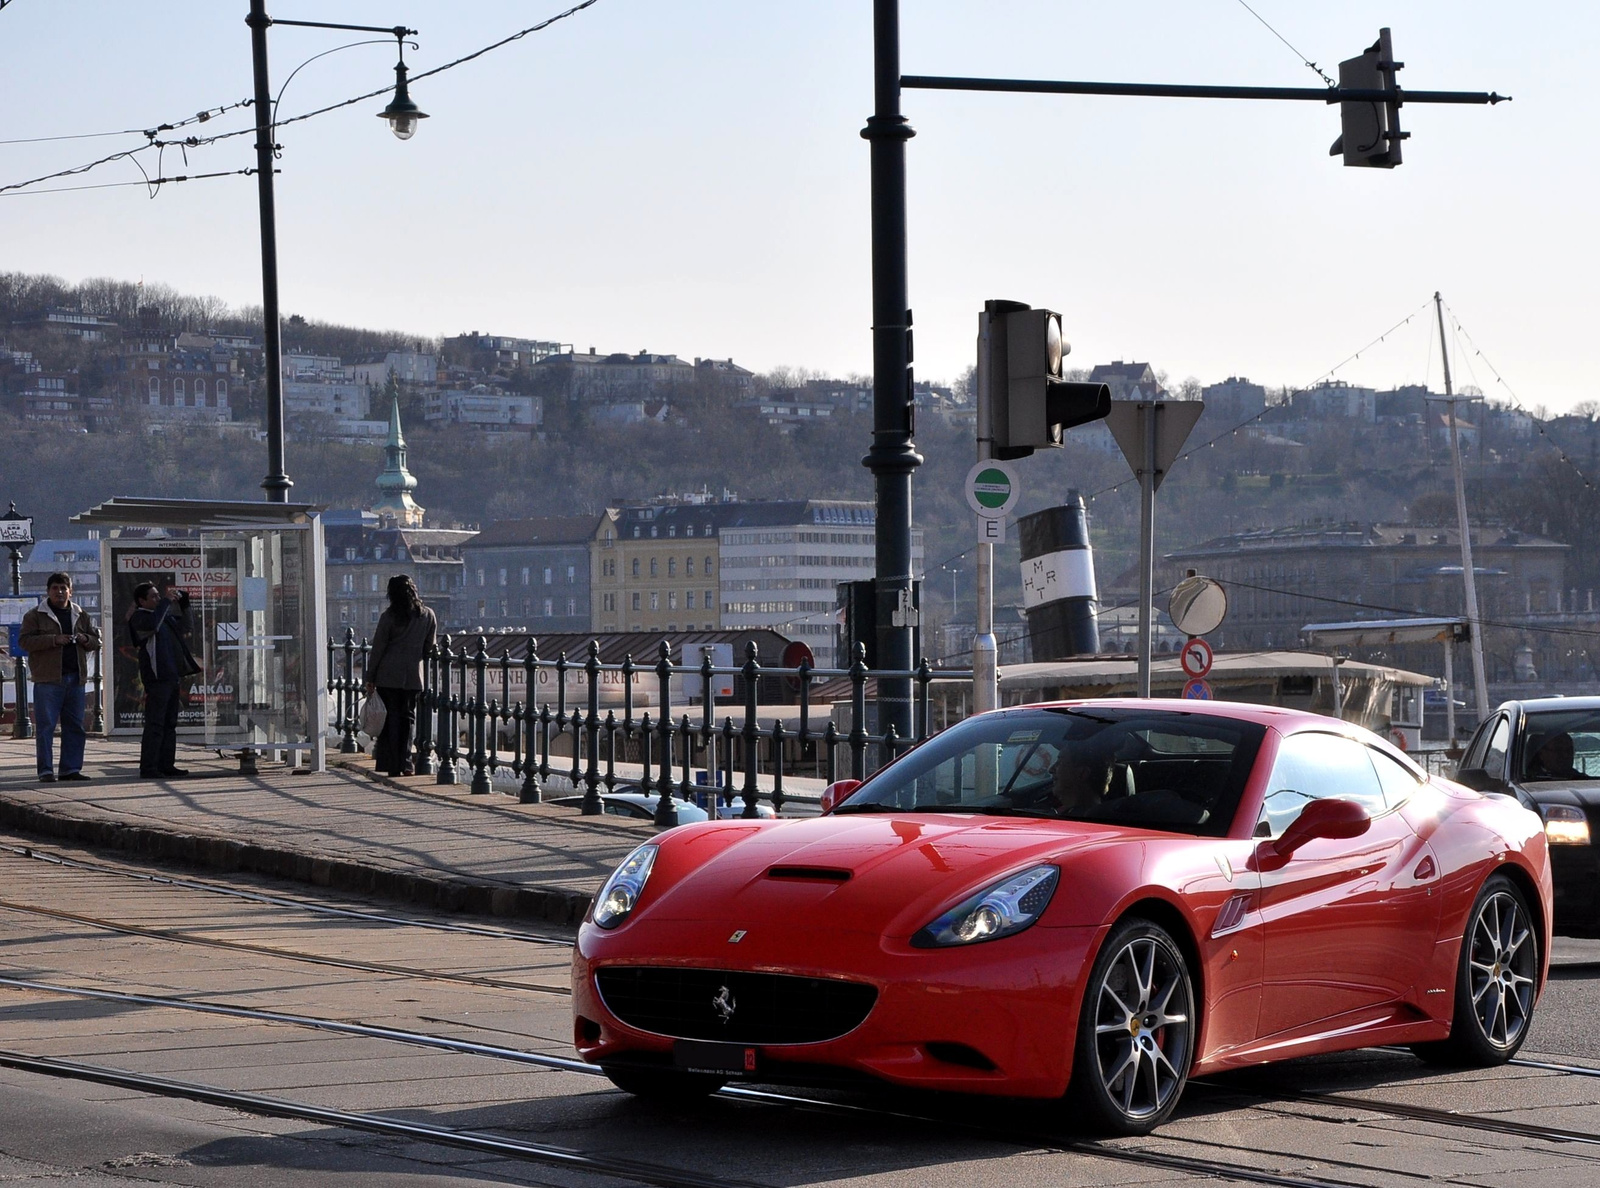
[{"x": 997, "y": 1017}]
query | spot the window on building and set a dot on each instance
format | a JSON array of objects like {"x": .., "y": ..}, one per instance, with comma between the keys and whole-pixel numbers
[
  {"x": 503, "y": 610},
  {"x": 689, "y": 531},
  {"x": 636, "y": 532},
  {"x": 502, "y": 575},
  {"x": 636, "y": 567},
  {"x": 483, "y": 608},
  {"x": 344, "y": 612},
  {"x": 709, "y": 603},
  {"x": 178, "y": 397},
  {"x": 200, "y": 393},
  {"x": 348, "y": 583},
  {"x": 549, "y": 607},
  {"x": 222, "y": 392},
  {"x": 672, "y": 600},
  {"x": 572, "y": 607},
  {"x": 480, "y": 578},
  {"x": 672, "y": 567},
  {"x": 155, "y": 390},
  {"x": 372, "y": 582},
  {"x": 609, "y": 602},
  {"x": 372, "y": 615},
  {"x": 653, "y": 531},
  {"x": 527, "y": 606},
  {"x": 688, "y": 566},
  {"x": 549, "y": 575},
  {"x": 349, "y": 553},
  {"x": 572, "y": 574},
  {"x": 689, "y": 600},
  {"x": 655, "y": 600},
  {"x": 636, "y": 602},
  {"x": 709, "y": 569},
  {"x": 525, "y": 575}
]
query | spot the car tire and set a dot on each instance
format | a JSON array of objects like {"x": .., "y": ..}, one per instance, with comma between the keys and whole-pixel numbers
[
  {"x": 663, "y": 1084},
  {"x": 1136, "y": 1032},
  {"x": 1496, "y": 979}
]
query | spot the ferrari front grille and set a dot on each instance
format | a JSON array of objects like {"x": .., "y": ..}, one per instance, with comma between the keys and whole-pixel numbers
[{"x": 742, "y": 1008}]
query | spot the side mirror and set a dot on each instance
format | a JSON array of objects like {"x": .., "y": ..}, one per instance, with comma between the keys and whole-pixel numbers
[
  {"x": 1475, "y": 778},
  {"x": 1323, "y": 818},
  {"x": 837, "y": 793}
]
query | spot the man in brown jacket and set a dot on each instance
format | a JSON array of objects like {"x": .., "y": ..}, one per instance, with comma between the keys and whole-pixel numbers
[{"x": 58, "y": 637}]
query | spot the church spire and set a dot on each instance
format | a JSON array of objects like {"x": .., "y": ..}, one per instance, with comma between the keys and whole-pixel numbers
[{"x": 396, "y": 482}]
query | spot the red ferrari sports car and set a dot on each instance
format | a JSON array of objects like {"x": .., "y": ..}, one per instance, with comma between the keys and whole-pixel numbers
[{"x": 1098, "y": 899}]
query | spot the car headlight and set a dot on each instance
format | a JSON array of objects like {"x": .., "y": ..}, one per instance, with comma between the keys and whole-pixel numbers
[
  {"x": 621, "y": 893},
  {"x": 1565, "y": 825},
  {"x": 1006, "y": 907}
]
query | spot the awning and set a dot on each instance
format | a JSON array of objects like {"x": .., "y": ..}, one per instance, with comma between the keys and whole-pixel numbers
[{"x": 201, "y": 514}]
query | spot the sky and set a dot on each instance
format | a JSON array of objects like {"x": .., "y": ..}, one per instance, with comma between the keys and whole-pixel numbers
[{"x": 688, "y": 177}]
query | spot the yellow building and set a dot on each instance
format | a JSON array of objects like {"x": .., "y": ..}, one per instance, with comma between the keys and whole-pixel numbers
[{"x": 654, "y": 568}]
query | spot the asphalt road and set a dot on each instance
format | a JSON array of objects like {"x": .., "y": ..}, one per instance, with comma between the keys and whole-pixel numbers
[{"x": 174, "y": 942}]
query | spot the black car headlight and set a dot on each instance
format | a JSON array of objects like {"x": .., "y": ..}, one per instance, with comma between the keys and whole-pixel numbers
[
  {"x": 1565, "y": 825},
  {"x": 621, "y": 893},
  {"x": 999, "y": 910}
]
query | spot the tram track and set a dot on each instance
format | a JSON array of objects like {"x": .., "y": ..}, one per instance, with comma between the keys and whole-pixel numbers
[
  {"x": 33, "y": 853},
  {"x": 187, "y": 938},
  {"x": 1021, "y": 1136}
]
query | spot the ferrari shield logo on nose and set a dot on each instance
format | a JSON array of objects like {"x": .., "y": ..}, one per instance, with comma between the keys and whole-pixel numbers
[
  {"x": 736, "y": 937},
  {"x": 724, "y": 1005}
]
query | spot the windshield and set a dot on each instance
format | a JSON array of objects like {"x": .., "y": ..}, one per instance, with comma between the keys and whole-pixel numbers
[
  {"x": 1561, "y": 745},
  {"x": 1155, "y": 769}
]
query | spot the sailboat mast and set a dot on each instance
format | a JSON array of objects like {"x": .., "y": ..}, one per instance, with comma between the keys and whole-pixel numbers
[{"x": 1468, "y": 579}]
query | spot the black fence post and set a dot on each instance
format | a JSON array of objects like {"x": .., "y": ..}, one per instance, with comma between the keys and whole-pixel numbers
[
  {"x": 858, "y": 714},
  {"x": 725, "y": 772},
  {"x": 610, "y": 778},
  {"x": 777, "y": 768},
  {"x": 666, "y": 807},
  {"x": 751, "y": 732},
  {"x": 444, "y": 737},
  {"x": 348, "y": 744},
  {"x": 591, "y": 793},
  {"x": 422, "y": 754},
  {"x": 532, "y": 791},
  {"x": 830, "y": 740},
  {"x": 686, "y": 733},
  {"x": 478, "y": 709},
  {"x": 924, "y": 700}
]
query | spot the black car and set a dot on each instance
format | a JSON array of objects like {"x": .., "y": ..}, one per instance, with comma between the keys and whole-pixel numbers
[{"x": 1546, "y": 753}]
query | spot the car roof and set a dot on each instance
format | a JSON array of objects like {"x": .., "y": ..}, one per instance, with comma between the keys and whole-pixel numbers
[
  {"x": 1266, "y": 715},
  {"x": 1536, "y": 704}
]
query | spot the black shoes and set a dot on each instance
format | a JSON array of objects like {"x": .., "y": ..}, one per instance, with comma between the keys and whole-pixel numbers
[
  {"x": 47, "y": 777},
  {"x": 73, "y": 775}
]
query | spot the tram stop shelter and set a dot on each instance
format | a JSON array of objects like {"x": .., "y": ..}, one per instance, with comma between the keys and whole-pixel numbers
[{"x": 255, "y": 576}]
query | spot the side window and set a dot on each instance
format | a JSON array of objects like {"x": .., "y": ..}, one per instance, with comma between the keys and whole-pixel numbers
[
  {"x": 1494, "y": 756},
  {"x": 1317, "y": 767},
  {"x": 1475, "y": 748},
  {"x": 1398, "y": 781}
]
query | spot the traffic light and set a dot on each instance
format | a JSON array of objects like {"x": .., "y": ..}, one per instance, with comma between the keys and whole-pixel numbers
[
  {"x": 1370, "y": 128},
  {"x": 1030, "y": 406}
]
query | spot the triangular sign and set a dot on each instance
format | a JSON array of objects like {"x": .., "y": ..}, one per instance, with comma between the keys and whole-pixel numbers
[{"x": 1175, "y": 420}]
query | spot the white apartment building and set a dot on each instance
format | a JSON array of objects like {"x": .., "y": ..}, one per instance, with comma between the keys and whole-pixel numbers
[{"x": 781, "y": 565}]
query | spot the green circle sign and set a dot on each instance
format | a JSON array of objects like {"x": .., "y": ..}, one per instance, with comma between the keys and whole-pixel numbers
[{"x": 991, "y": 489}]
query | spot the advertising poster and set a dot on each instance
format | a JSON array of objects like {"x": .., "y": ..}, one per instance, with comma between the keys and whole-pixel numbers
[{"x": 210, "y": 574}]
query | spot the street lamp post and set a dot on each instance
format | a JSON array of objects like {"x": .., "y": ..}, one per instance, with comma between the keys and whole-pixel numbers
[{"x": 402, "y": 115}]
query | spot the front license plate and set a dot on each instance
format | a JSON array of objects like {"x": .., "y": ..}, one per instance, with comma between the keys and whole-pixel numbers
[{"x": 708, "y": 1056}]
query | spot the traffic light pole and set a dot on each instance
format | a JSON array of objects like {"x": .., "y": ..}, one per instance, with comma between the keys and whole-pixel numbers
[
  {"x": 892, "y": 457},
  {"x": 985, "y": 649}
]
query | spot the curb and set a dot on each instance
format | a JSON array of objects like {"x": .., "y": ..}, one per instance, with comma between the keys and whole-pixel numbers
[{"x": 553, "y": 905}]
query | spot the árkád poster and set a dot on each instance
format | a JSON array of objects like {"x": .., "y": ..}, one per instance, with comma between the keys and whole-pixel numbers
[{"x": 210, "y": 574}]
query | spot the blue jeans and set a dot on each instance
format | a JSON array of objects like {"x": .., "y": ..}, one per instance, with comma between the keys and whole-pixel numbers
[{"x": 59, "y": 703}]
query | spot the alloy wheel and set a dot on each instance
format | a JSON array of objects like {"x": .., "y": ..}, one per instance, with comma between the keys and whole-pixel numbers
[
  {"x": 1142, "y": 1027},
  {"x": 1500, "y": 969}
]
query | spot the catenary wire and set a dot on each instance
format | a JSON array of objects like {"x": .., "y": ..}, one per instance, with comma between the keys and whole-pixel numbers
[{"x": 1320, "y": 73}]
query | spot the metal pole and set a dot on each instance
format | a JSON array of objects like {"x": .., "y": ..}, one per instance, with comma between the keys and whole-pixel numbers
[
  {"x": 1450, "y": 691},
  {"x": 892, "y": 457},
  {"x": 1147, "y": 546},
  {"x": 985, "y": 651},
  {"x": 1468, "y": 577},
  {"x": 20, "y": 727},
  {"x": 277, "y": 483}
]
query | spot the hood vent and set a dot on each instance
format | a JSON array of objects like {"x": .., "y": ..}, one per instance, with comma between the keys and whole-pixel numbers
[{"x": 820, "y": 874}]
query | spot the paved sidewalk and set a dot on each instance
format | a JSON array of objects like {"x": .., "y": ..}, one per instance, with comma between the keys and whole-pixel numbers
[{"x": 407, "y": 839}]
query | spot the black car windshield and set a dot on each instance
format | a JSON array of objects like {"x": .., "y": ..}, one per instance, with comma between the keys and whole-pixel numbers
[
  {"x": 1561, "y": 745},
  {"x": 1155, "y": 769}
]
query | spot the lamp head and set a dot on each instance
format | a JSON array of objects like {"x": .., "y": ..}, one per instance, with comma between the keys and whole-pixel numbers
[{"x": 401, "y": 113}]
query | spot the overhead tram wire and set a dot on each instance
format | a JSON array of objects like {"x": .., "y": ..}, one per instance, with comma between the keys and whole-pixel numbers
[
  {"x": 1305, "y": 61},
  {"x": 204, "y": 141},
  {"x": 1245, "y": 424},
  {"x": 153, "y": 184}
]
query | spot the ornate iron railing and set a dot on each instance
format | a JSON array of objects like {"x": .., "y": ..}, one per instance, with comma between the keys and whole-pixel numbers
[{"x": 472, "y": 724}]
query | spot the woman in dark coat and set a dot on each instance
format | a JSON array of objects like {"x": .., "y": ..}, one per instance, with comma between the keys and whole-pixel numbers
[{"x": 394, "y": 667}]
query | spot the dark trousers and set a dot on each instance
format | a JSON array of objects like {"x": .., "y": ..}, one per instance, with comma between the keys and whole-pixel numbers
[
  {"x": 391, "y": 752},
  {"x": 158, "y": 747},
  {"x": 61, "y": 703}
]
